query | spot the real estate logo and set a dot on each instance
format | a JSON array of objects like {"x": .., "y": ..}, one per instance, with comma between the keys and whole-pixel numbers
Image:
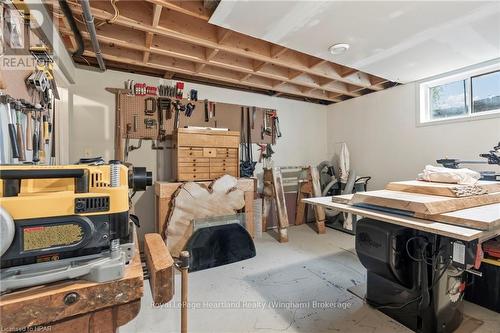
[{"x": 17, "y": 36}]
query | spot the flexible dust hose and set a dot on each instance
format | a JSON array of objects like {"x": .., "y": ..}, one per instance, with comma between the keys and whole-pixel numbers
[
  {"x": 72, "y": 24},
  {"x": 89, "y": 21}
]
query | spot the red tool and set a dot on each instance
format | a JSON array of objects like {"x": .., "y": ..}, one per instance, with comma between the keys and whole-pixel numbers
[{"x": 179, "y": 90}]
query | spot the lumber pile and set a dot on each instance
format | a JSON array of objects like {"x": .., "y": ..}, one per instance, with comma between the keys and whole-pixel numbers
[{"x": 448, "y": 203}]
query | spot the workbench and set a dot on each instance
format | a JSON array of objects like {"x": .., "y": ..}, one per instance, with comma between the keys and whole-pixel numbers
[{"x": 83, "y": 306}]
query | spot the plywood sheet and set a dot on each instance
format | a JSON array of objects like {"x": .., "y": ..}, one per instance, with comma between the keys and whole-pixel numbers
[
  {"x": 422, "y": 203},
  {"x": 442, "y": 189}
]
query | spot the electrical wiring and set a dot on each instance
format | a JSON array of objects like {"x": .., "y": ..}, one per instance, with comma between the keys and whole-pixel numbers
[
  {"x": 115, "y": 16},
  {"x": 423, "y": 258},
  {"x": 398, "y": 307}
]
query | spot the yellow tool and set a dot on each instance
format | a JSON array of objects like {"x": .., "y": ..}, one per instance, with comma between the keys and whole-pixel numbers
[{"x": 57, "y": 216}]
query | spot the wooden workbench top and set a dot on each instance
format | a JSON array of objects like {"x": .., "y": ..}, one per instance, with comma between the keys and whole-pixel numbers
[{"x": 45, "y": 304}]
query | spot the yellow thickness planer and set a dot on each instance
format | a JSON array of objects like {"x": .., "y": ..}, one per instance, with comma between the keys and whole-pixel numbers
[{"x": 63, "y": 222}]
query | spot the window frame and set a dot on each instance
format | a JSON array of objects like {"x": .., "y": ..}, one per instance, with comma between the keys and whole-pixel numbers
[{"x": 423, "y": 95}]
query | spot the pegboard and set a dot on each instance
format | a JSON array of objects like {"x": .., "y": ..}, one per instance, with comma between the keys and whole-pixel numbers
[{"x": 132, "y": 116}]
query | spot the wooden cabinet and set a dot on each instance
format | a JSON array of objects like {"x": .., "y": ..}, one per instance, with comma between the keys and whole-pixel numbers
[{"x": 205, "y": 154}]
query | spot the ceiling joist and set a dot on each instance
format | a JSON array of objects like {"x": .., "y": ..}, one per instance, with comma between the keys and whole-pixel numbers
[{"x": 175, "y": 37}]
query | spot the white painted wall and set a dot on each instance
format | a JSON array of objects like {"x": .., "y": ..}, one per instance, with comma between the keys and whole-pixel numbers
[
  {"x": 385, "y": 143},
  {"x": 92, "y": 127}
]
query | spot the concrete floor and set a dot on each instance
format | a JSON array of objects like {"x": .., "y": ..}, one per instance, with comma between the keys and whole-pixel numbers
[{"x": 282, "y": 290}]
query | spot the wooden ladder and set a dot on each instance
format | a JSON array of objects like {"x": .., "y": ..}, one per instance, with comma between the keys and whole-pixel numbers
[{"x": 310, "y": 187}]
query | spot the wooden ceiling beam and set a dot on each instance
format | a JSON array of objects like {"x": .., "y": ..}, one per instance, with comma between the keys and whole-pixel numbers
[
  {"x": 168, "y": 75},
  {"x": 199, "y": 67},
  {"x": 315, "y": 62},
  {"x": 149, "y": 35},
  {"x": 205, "y": 57},
  {"x": 258, "y": 65},
  {"x": 172, "y": 67},
  {"x": 277, "y": 51},
  {"x": 246, "y": 77},
  {"x": 223, "y": 34},
  {"x": 191, "y": 35},
  {"x": 192, "y": 8},
  {"x": 210, "y": 53}
]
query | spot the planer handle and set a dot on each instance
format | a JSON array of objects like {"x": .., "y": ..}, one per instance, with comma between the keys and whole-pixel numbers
[
  {"x": 42, "y": 173},
  {"x": 11, "y": 186}
]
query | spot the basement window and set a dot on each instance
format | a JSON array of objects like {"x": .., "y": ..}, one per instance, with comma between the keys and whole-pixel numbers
[{"x": 465, "y": 95}]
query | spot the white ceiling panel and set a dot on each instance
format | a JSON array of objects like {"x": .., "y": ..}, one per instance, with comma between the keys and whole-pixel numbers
[{"x": 401, "y": 41}]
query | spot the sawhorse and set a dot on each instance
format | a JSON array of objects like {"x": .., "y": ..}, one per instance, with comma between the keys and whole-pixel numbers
[{"x": 310, "y": 187}]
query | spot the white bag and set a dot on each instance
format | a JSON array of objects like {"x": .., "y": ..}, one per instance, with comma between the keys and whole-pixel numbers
[{"x": 462, "y": 176}]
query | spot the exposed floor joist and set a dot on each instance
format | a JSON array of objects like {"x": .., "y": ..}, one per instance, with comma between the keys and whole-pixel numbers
[{"x": 175, "y": 37}]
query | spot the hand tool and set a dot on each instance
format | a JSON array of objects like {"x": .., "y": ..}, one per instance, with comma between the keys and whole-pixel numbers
[
  {"x": 161, "y": 132},
  {"x": 29, "y": 131},
  {"x": 19, "y": 131},
  {"x": 179, "y": 90},
  {"x": 164, "y": 106},
  {"x": 41, "y": 142},
  {"x": 12, "y": 134},
  {"x": 277, "y": 126},
  {"x": 189, "y": 109},
  {"x": 136, "y": 119},
  {"x": 254, "y": 115},
  {"x": 53, "y": 137},
  {"x": 149, "y": 106},
  {"x": 178, "y": 109},
  {"x": 207, "y": 116},
  {"x": 127, "y": 140},
  {"x": 193, "y": 95},
  {"x": 46, "y": 131},
  {"x": 36, "y": 136},
  {"x": 150, "y": 123}
]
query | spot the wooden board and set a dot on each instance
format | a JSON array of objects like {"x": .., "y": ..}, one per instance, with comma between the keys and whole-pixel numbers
[
  {"x": 441, "y": 189},
  {"x": 161, "y": 269},
  {"x": 194, "y": 201},
  {"x": 343, "y": 199},
  {"x": 482, "y": 217},
  {"x": 279, "y": 195},
  {"x": 45, "y": 304},
  {"x": 422, "y": 203},
  {"x": 442, "y": 229}
]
